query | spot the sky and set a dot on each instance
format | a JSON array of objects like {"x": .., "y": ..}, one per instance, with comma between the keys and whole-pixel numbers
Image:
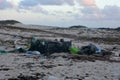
[{"x": 63, "y": 13}]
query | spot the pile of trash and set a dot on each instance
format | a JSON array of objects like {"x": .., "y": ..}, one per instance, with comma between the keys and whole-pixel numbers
[
  {"x": 88, "y": 49},
  {"x": 40, "y": 46},
  {"x": 48, "y": 47}
]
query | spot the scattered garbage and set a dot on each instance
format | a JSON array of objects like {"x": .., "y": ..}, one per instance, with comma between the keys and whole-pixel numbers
[
  {"x": 3, "y": 51},
  {"x": 90, "y": 49},
  {"x": 39, "y": 46},
  {"x": 74, "y": 50},
  {"x": 48, "y": 46},
  {"x": 52, "y": 78},
  {"x": 33, "y": 52},
  {"x": 105, "y": 52},
  {"x": 20, "y": 50}
]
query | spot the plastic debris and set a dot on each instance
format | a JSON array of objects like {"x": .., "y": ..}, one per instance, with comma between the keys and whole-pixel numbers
[
  {"x": 90, "y": 49},
  {"x": 48, "y": 46},
  {"x": 52, "y": 78},
  {"x": 74, "y": 50},
  {"x": 3, "y": 51},
  {"x": 33, "y": 52}
]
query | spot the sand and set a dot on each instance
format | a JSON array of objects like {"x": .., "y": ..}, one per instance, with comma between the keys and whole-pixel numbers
[{"x": 13, "y": 65}]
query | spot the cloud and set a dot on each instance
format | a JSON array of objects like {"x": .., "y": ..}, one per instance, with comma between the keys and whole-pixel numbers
[
  {"x": 75, "y": 10},
  {"x": 88, "y": 2},
  {"x": 89, "y": 10},
  {"x": 51, "y": 2},
  {"x": 29, "y": 3},
  {"x": 5, "y": 4},
  {"x": 37, "y": 5},
  {"x": 1, "y": 1},
  {"x": 111, "y": 12},
  {"x": 24, "y": 4},
  {"x": 70, "y": 2},
  {"x": 94, "y": 13},
  {"x": 91, "y": 13},
  {"x": 39, "y": 9}
]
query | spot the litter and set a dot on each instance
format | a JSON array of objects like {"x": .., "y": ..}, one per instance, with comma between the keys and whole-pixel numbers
[
  {"x": 33, "y": 52},
  {"x": 48, "y": 46},
  {"x": 3, "y": 51},
  {"x": 90, "y": 49},
  {"x": 52, "y": 78},
  {"x": 73, "y": 50},
  {"x": 39, "y": 46},
  {"x": 20, "y": 50}
]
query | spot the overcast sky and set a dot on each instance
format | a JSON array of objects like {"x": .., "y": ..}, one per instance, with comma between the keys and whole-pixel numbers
[{"x": 91, "y": 13}]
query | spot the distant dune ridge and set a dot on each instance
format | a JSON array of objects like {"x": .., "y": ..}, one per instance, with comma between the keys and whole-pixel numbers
[
  {"x": 18, "y": 23},
  {"x": 5, "y": 22},
  {"x": 78, "y": 26}
]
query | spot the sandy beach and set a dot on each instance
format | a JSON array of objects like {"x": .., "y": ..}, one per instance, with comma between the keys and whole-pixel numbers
[{"x": 22, "y": 66}]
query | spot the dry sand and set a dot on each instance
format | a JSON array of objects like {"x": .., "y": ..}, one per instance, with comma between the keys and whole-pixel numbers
[{"x": 13, "y": 65}]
